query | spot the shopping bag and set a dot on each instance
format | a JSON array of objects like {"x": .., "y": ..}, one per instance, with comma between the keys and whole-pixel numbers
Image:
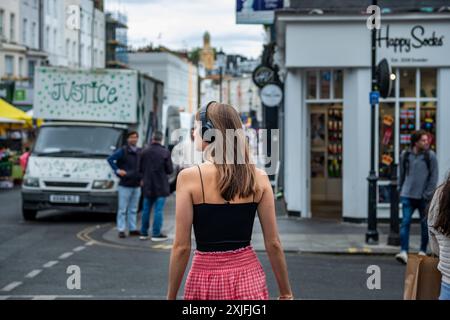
[{"x": 422, "y": 278}]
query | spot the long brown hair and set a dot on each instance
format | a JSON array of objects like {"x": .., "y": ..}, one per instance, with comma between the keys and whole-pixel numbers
[
  {"x": 238, "y": 178},
  {"x": 442, "y": 223}
]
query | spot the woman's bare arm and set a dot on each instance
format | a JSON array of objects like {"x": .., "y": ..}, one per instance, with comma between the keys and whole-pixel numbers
[
  {"x": 267, "y": 218},
  {"x": 181, "y": 249}
]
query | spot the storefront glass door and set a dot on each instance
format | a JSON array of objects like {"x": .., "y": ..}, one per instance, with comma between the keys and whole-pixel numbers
[{"x": 324, "y": 103}]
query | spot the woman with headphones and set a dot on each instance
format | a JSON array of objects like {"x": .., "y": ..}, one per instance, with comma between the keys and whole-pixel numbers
[{"x": 220, "y": 198}]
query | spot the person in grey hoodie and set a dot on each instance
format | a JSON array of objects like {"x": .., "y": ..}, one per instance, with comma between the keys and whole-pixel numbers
[
  {"x": 439, "y": 228},
  {"x": 418, "y": 179}
]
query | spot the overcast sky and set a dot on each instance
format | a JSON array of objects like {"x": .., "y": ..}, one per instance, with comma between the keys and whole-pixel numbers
[{"x": 179, "y": 24}]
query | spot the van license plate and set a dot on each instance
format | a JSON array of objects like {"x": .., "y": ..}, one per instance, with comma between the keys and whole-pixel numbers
[{"x": 57, "y": 198}]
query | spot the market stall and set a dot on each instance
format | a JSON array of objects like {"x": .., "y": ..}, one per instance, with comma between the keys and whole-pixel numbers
[{"x": 16, "y": 131}]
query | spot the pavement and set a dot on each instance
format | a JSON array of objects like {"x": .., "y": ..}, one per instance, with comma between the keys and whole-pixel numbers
[{"x": 298, "y": 235}]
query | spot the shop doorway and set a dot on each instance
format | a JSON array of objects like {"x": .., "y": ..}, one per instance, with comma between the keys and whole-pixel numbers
[{"x": 326, "y": 124}]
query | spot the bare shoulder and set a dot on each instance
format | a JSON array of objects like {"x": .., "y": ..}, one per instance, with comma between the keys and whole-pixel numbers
[
  {"x": 261, "y": 178},
  {"x": 188, "y": 173}
]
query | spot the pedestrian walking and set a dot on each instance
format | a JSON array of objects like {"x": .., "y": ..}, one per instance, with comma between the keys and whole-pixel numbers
[
  {"x": 439, "y": 231},
  {"x": 219, "y": 199},
  {"x": 417, "y": 182},
  {"x": 125, "y": 164},
  {"x": 156, "y": 164}
]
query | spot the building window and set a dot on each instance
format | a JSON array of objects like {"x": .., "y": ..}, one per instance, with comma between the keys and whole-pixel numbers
[
  {"x": 33, "y": 36},
  {"x": 9, "y": 66},
  {"x": 2, "y": 18},
  {"x": 55, "y": 38},
  {"x": 324, "y": 85},
  {"x": 31, "y": 67},
  {"x": 46, "y": 39},
  {"x": 55, "y": 9},
  {"x": 67, "y": 48},
  {"x": 411, "y": 106},
  {"x": 12, "y": 33},
  {"x": 21, "y": 71},
  {"x": 24, "y": 32}
]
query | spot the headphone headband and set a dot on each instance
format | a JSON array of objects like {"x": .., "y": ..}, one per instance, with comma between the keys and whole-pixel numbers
[{"x": 206, "y": 123}]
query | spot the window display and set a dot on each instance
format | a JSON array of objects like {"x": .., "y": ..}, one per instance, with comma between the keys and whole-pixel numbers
[
  {"x": 386, "y": 139},
  {"x": 428, "y": 121},
  {"x": 407, "y": 124},
  {"x": 335, "y": 143},
  {"x": 408, "y": 83}
]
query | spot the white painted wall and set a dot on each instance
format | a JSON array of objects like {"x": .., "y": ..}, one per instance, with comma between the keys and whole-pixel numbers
[
  {"x": 173, "y": 71},
  {"x": 295, "y": 146},
  {"x": 356, "y": 142}
]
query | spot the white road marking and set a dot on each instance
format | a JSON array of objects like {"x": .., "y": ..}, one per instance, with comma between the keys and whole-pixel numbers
[
  {"x": 33, "y": 273},
  {"x": 80, "y": 248},
  {"x": 44, "y": 298},
  {"x": 50, "y": 264},
  {"x": 65, "y": 255},
  {"x": 11, "y": 286},
  {"x": 90, "y": 243}
]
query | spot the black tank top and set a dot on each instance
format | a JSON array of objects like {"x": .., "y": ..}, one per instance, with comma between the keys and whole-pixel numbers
[{"x": 223, "y": 226}]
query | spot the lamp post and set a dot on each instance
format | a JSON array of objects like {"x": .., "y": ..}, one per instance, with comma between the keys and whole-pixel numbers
[{"x": 372, "y": 233}]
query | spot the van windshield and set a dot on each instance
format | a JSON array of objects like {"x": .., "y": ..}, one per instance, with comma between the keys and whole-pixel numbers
[{"x": 77, "y": 141}]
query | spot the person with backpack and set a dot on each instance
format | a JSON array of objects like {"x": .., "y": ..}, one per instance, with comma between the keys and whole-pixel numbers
[
  {"x": 125, "y": 164},
  {"x": 417, "y": 182}
]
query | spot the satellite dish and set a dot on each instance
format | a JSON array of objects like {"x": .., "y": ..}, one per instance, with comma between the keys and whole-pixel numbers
[{"x": 384, "y": 78}]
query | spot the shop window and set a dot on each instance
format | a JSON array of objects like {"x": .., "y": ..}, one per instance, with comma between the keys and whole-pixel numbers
[
  {"x": 386, "y": 140},
  {"x": 428, "y": 83},
  {"x": 335, "y": 142},
  {"x": 338, "y": 83},
  {"x": 312, "y": 84},
  {"x": 407, "y": 124},
  {"x": 325, "y": 80},
  {"x": 428, "y": 121},
  {"x": 407, "y": 83}
]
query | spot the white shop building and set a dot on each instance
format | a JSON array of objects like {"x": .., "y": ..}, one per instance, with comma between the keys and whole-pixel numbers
[{"x": 326, "y": 61}]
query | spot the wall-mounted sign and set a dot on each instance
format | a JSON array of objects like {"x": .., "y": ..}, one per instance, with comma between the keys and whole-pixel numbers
[
  {"x": 271, "y": 95},
  {"x": 263, "y": 75},
  {"x": 414, "y": 44},
  {"x": 257, "y": 11}
]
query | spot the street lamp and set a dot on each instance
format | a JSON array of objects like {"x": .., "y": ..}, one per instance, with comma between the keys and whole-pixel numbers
[{"x": 372, "y": 233}]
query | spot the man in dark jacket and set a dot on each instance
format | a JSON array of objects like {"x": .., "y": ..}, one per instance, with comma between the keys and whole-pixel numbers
[
  {"x": 417, "y": 182},
  {"x": 125, "y": 164},
  {"x": 155, "y": 165}
]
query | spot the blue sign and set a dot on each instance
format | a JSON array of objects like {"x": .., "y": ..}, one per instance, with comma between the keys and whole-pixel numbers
[
  {"x": 374, "y": 97},
  {"x": 257, "y": 11}
]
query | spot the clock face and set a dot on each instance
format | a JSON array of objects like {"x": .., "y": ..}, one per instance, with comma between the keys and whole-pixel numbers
[{"x": 271, "y": 95}]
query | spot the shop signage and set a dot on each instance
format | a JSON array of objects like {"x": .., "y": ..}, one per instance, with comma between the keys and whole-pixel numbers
[
  {"x": 257, "y": 11},
  {"x": 374, "y": 97},
  {"x": 414, "y": 44},
  {"x": 417, "y": 39},
  {"x": 263, "y": 75},
  {"x": 271, "y": 95},
  {"x": 20, "y": 95}
]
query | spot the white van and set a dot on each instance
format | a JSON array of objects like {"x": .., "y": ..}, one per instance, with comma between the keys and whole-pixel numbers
[{"x": 87, "y": 114}]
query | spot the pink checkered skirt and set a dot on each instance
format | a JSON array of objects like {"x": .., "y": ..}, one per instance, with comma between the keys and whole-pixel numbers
[{"x": 228, "y": 275}]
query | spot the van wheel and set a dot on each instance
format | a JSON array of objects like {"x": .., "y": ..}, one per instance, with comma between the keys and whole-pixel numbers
[{"x": 29, "y": 215}]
